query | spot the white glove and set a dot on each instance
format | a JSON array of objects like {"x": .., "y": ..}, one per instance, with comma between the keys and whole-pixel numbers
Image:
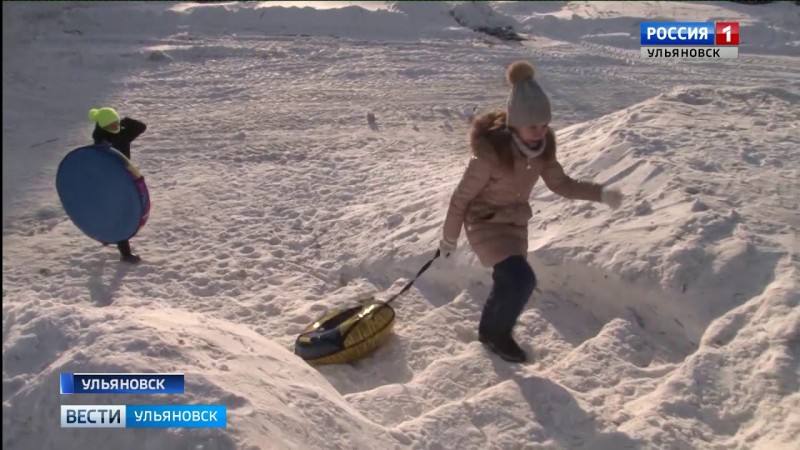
[
  {"x": 447, "y": 247},
  {"x": 611, "y": 197}
]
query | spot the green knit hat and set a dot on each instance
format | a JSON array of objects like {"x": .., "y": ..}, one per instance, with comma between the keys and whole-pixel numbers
[{"x": 103, "y": 116}]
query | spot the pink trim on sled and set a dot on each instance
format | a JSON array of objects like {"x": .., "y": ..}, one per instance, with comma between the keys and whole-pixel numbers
[{"x": 145, "y": 196}]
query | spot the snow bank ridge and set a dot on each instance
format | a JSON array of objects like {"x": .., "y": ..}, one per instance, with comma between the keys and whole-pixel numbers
[
  {"x": 260, "y": 378},
  {"x": 688, "y": 246}
]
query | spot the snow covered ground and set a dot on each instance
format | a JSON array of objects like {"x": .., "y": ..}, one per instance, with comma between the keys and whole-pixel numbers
[{"x": 671, "y": 323}]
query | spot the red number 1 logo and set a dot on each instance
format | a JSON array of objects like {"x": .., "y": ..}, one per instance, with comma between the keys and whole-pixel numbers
[{"x": 726, "y": 33}]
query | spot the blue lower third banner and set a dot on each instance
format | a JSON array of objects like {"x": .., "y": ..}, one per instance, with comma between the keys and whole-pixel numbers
[
  {"x": 144, "y": 416},
  {"x": 122, "y": 383}
]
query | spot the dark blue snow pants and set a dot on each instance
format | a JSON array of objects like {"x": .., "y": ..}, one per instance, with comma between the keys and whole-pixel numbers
[{"x": 514, "y": 282}]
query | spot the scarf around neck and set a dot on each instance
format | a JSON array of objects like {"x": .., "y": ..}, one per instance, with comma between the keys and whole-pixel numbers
[{"x": 527, "y": 151}]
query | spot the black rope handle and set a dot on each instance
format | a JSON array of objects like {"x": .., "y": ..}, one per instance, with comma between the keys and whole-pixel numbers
[
  {"x": 395, "y": 296},
  {"x": 411, "y": 283}
]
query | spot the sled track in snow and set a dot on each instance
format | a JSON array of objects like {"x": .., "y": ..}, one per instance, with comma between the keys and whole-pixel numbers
[{"x": 750, "y": 69}]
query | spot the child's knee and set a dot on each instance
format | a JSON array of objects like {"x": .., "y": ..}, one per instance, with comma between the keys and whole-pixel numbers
[{"x": 523, "y": 276}]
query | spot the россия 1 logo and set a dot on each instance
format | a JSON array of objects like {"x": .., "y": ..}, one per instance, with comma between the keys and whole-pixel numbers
[
  {"x": 727, "y": 33},
  {"x": 695, "y": 40}
]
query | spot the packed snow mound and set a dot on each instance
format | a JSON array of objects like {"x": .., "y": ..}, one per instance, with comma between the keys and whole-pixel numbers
[
  {"x": 742, "y": 385},
  {"x": 688, "y": 245},
  {"x": 271, "y": 395},
  {"x": 481, "y": 16}
]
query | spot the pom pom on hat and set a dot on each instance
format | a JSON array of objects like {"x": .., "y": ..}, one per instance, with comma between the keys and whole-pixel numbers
[
  {"x": 519, "y": 71},
  {"x": 528, "y": 104},
  {"x": 103, "y": 116}
]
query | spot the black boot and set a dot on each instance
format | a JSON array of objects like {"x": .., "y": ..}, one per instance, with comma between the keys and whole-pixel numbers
[
  {"x": 126, "y": 255},
  {"x": 132, "y": 259},
  {"x": 504, "y": 346}
]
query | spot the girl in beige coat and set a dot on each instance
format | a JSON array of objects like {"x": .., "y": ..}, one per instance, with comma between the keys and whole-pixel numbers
[{"x": 511, "y": 150}]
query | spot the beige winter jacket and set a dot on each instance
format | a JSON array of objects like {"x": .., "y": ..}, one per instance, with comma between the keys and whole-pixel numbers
[{"x": 492, "y": 199}]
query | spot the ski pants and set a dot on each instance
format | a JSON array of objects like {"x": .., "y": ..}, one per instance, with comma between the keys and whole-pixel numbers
[{"x": 514, "y": 282}]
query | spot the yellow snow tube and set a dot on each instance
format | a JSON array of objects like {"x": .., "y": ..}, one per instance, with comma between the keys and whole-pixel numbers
[{"x": 345, "y": 335}]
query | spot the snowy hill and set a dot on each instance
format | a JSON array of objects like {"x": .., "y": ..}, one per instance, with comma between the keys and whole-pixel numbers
[{"x": 671, "y": 323}]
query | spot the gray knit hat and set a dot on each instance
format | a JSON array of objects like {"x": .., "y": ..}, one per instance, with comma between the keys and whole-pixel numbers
[{"x": 527, "y": 103}]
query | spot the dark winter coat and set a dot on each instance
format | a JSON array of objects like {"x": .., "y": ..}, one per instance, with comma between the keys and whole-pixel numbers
[{"x": 130, "y": 129}]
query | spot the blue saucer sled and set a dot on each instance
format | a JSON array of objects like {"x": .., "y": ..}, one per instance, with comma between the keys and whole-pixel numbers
[{"x": 103, "y": 193}]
